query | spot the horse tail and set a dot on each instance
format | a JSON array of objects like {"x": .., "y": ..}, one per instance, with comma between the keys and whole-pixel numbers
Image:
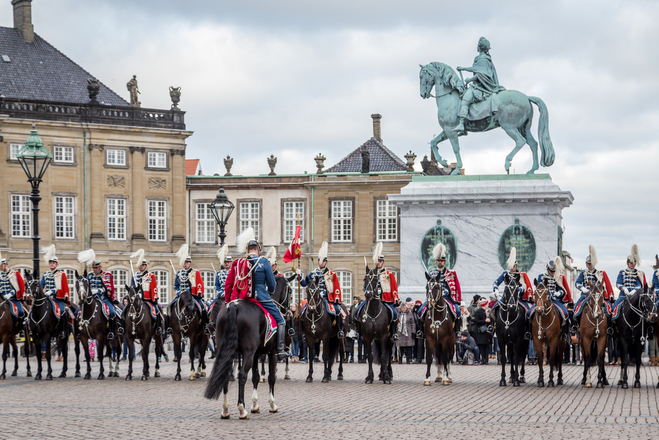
[
  {"x": 546, "y": 147},
  {"x": 224, "y": 361}
]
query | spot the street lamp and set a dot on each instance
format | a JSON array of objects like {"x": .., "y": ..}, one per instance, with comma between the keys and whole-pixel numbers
[
  {"x": 221, "y": 208},
  {"x": 34, "y": 158}
]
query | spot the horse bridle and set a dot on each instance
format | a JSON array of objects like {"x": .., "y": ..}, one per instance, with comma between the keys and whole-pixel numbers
[
  {"x": 134, "y": 313},
  {"x": 640, "y": 312},
  {"x": 513, "y": 293},
  {"x": 371, "y": 275},
  {"x": 596, "y": 293},
  {"x": 546, "y": 310},
  {"x": 312, "y": 306},
  {"x": 36, "y": 302},
  {"x": 82, "y": 289},
  {"x": 188, "y": 319},
  {"x": 434, "y": 300}
]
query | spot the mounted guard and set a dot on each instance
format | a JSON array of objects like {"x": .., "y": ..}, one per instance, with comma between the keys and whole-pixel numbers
[
  {"x": 525, "y": 289},
  {"x": 101, "y": 284},
  {"x": 146, "y": 280},
  {"x": 448, "y": 279},
  {"x": 589, "y": 276},
  {"x": 655, "y": 280},
  {"x": 12, "y": 289},
  {"x": 558, "y": 289},
  {"x": 629, "y": 280},
  {"x": 328, "y": 284},
  {"x": 220, "y": 280},
  {"x": 190, "y": 279},
  {"x": 56, "y": 286}
]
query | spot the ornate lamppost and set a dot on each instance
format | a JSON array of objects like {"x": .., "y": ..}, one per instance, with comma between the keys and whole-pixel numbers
[
  {"x": 221, "y": 208},
  {"x": 34, "y": 158}
]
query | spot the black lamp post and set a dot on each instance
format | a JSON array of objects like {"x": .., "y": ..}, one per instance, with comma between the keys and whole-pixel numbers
[
  {"x": 221, "y": 208},
  {"x": 34, "y": 158}
]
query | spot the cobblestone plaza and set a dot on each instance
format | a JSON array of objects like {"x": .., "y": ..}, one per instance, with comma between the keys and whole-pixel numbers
[{"x": 472, "y": 406}]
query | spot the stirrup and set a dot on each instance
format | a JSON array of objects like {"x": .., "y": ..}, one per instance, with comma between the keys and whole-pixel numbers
[
  {"x": 120, "y": 331},
  {"x": 574, "y": 330},
  {"x": 110, "y": 336},
  {"x": 609, "y": 331},
  {"x": 341, "y": 335},
  {"x": 528, "y": 336},
  {"x": 207, "y": 331},
  {"x": 169, "y": 330},
  {"x": 283, "y": 354}
]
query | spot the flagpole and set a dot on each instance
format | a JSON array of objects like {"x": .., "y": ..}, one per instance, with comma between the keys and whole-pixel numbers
[{"x": 299, "y": 265}]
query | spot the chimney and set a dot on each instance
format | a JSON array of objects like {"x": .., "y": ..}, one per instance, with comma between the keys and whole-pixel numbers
[
  {"x": 23, "y": 19},
  {"x": 376, "y": 127}
]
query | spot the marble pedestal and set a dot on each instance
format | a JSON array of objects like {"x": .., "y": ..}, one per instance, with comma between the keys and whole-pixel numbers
[{"x": 477, "y": 210}]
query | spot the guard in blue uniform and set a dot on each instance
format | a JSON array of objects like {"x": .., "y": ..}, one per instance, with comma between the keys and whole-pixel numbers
[
  {"x": 147, "y": 281},
  {"x": 190, "y": 279},
  {"x": 55, "y": 285},
  {"x": 559, "y": 292},
  {"x": 655, "y": 280},
  {"x": 12, "y": 289},
  {"x": 629, "y": 280},
  {"x": 102, "y": 286},
  {"x": 524, "y": 290},
  {"x": 585, "y": 278}
]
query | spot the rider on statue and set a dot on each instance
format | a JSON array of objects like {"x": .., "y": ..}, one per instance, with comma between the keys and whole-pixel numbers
[
  {"x": 12, "y": 289},
  {"x": 629, "y": 280},
  {"x": 448, "y": 279},
  {"x": 148, "y": 282},
  {"x": 255, "y": 274},
  {"x": 525, "y": 289},
  {"x": 594, "y": 276},
  {"x": 56, "y": 286},
  {"x": 484, "y": 83},
  {"x": 189, "y": 279},
  {"x": 559, "y": 290},
  {"x": 328, "y": 285},
  {"x": 102, "y": 286}
]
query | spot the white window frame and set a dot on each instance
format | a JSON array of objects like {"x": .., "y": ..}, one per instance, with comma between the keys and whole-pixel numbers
[
  {"x": 116, "y": 227},
  {"x": 162, "y": 281},
  {"x": 63, "y": 154},
  {"x": 156, "y": 159},
  {"x": 297, "y": 299},
  {"x": 115, "y": 157},
  {"x": 342, "y": 221},
  {"x": 250, "y": 213},
  {"x": 13, "y": 150},
  {"x": 345, "y": 281},
  {"x": 386, "y": 220},
  {"x": 157, "y": 220},
  {"x": 209, "y": 284},
  {"x": 205, "y": 223},
  {"x": 21, "y": 218},
  {"x": 65, "y": 207},
  {"x": 71, "y": 281},
  {"x": 291, "y": 209},
  {"x": 120, "y": 278}
]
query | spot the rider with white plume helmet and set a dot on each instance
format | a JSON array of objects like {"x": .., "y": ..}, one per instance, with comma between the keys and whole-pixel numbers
[
  {"x": 524, "y": 289},
  {"x": 55, "y": 285},
  {"x": 147, "y": 281},
  {"x": 190, "y": 279},
  {"x": 587, "y": 276},
  {"x": 101, "y": 284},
  {"x": 629, "y": 280},
  {"x": 559, "y": 290},
  {"x": 12, "y": 288},
  {"x": 387, "y": 286}
]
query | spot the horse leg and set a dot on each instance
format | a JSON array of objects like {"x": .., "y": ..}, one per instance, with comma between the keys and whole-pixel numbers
[
  {"x": 248, "y": 361},
  {"x": 286, "y": 371},
  {"x": 225, "y": 405},
  {"x": 622, "y": 346},
  {"x": 552, "y": 348},
  {"x": 130, "y": 340},
  {"x": 433, "y": 146},
  {"x": 101, "y": 349},
  {"x": 310, "y": 345},
  {"x": 158, "y": 342},
  {"x": 341, "y": 352},
  {"x": 5, "y": 350},
  {"x": 37, "y": 346},
  {"x": 540, "y": 351},
  {"x": 438, "y": 355},
  {"x": 177, "y": 353},
  {"x": 85, "y": 347},
  {"x": 428, "y": 365},
  {"x": 369, "y": 356},
  {"x": 146, "y": 345},
  {"x": 502, "y": 353},
  {"x": 637, "y": 376},
  {"x": 76, "y": 349},
  {"x": 118, "y": 342},
  {"x": 519, "y": 143},
  {"x": 328, "y": 359},
  {"x": 559, "y": 361},
  {"x": 453, "y": 138},
  {"x": 49, "y": 369},
  {"x": 385, "y": 360},
  {"x": 26, "y": 347},
  {"x": 600, "y": 358},
  {"x": 533, "y": 144},
  {"x": 585, "y": 348},
  {"x": 201, "y": 365},
  {"x": 193, "y": 346},
  {"x": 65, "y": 355},
  {"x": 262, "y": 375},
  {"x": 272, "y": 378},
  {"x": 255, "y": 383}
]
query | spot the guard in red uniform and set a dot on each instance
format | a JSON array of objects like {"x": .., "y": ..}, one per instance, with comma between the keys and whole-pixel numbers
[
  {"x": 147, "y": 281},
  {"x": 55, "y": 284}
]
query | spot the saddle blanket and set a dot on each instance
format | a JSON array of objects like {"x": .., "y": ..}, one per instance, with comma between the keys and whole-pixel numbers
[
  {"x": 16, "y": 309},
  {"x": 271, "y": 324},
  {"x": 559, "y": 307},
  {"x": 152, "y": 309},
  {"x": 330, "y": 307},
  {"x": 452, "y": 307},
  {"x": 200, "y": 305},
  {"x": 482, "y": 108},
  {"x": 578, "y": 309},
  {"x": 524, "y": 304},
  {"x": 105, "y": 308},
  {"x": 392, "y": 310}
]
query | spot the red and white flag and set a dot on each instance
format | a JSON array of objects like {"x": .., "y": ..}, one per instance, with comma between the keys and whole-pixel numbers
[{"x": 294, "y": 250}]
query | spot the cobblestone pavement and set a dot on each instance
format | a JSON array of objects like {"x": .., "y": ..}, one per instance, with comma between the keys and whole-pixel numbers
[{"x": 472, "y": 406}]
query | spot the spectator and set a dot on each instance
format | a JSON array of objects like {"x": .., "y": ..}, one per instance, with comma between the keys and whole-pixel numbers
[
  {"x": 295, "y": 338},
  {"x": 361, "y": 358},
  {"x": 467, "y": 344},
  {"x": 480, "y": 334},
  {"x": 406, "y": 333},
  {"x": 420, "y": 346}
]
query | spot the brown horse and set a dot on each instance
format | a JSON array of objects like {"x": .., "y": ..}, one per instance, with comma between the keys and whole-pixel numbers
[
  {"x": 547, "y": 330},
  {"x": 92, "y": 324},
  {"x": 137, "y": 317},
  {"x": 186, "y": 321},
  {"x": 9, "y": 328},
  {"x": 592, "y": 335},
  {"x": 438, "y": 328}
]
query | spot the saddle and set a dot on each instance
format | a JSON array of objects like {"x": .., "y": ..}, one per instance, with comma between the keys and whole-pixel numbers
[
  {"x": 331, "y": 309},
  {"x": 271, "y": 323}
]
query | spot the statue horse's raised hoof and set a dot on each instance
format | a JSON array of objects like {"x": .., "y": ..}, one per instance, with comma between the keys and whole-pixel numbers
[
  {"x": 502, "y": 383},
  {"x": 61, "y": 375},
  {"x": 427, "y": 383}
]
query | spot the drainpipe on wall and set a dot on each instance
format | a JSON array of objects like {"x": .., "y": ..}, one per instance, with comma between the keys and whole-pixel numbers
[
  {"x": 84, "y": 161},
  {"x": 312, "y": 219}
]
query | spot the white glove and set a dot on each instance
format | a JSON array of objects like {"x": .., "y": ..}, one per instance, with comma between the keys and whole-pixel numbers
[
  {"x": 585, "y": 289},
  {"x": 7, "y": 297},
  {"x": 624, "y": 289},
  {"x": 632, "y": 292},
  {"x": 51, "y": 292},
  {"x": 95, "y": 291},
  {"x": 298, "y": 272}
]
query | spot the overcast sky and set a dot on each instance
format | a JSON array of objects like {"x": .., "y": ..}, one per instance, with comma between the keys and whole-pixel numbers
[{"x": 294, "y": 78}]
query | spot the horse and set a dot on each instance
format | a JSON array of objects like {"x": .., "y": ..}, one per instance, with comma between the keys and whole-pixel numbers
[
  {"x": 92, "y": 324},
  {"x": 547, "y": 329},
  {"x": 138, "y": 325},
  {"x": 186, "y": 321},
  {"x": 592, "y": 335},
  {"x": 9, "y": 328},
  {"x": 319, "y": 325},
  {"x": 514, "y": 116},
  {"x": 510, "y": 327},
  {"x": 438, "y": 328},
  {"x": 637, "y": 313},
  {"x": 43, "y": 325}
]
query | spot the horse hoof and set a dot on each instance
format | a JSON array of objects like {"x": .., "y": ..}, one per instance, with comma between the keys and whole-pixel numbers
[
  {"x": 551, "y": 384},
  {"x": 368, "y": 380},
  {"x": 620, "y": 381},
  {"x": 203, "y": 374},
  {"x": 244, "y": 417},
  {"x": 583, "y": 382},
  {"x": 438, "y": 379},
  {"x": 502, "y": 383},
  {"x": 516, "y": 383},
  {"x": 101, "y": 376},
  {"x": 637, "y": 384},
  {"x": 522, "y": 380},
  {"x": 130, "y": 377},
  {"x": 156, "y": 374},
  {"x": 287, "y": 377},
  {"x": 273, "y": 411},
  {"x": 192, "y": 377},
  {"x": 590, "y": 385},
  {"x": 62, "y": 375},
  {"x": 387, "y": 381},
  {"x": 325, "y": 380},
  {"x": 599, "y": 385},
  {"x": 88, "y": 376},
  {"x": 426, "y": 383},
  {"x": 2, "y": 377},
  {"x": 605, "y": 382},
  {"x": 177, "y": 377},
  {"x": 261, "y": 380},
  {"x": 446, "y": 382},
  {"x": 624, "y": 386},
  {"x": 37, "y": 377},
  {"x": 197, "y": 375},
  {"x": 225, "y": 416},
  {"x": 541, "y": 384},
  {"x": 50, "y": 377},
  {"x": 657, "y": 384},
  {"x": 78, "y": 374},
  {"x": 29, "y": 374},
  {"x": 559, "y": 382},
  {"x": 14, "y": 373},
  {"x": 256, "y": 410},
  {"x": 309, "y": 379},
  {"x": 339, "y": 377}
]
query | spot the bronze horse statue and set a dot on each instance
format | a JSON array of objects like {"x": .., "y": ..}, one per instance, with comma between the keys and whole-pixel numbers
[
  {"x": 592, "y": 335},
  {"x": 438, "y": 328},
  {"x": 546, "y": 327},
  {"x": 138, "y": 325},
  {"x": 186, "y": 320}
]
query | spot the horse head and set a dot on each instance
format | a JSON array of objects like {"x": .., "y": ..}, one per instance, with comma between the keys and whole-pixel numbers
[
  {"x": 313, "y": 294},
  {"x": 541, "y": 295},
  {"x": 441, "y": 76},
  {"x": 33, "y": 287},
  {"x": 189, "y": 305},
  {"x": 433, "y": 290},
  {"x": 370, "y": 283},
  {"x": 646, "y": 304},
  {"x": 511, "y": 290},
  {"x": 596, "y": 298},
  {"x": 82, "y": 286},
  {"x": 134, "y": 296}
]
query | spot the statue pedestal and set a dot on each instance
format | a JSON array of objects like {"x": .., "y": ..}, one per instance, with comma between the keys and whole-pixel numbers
[{"x": 479, "y": 218}]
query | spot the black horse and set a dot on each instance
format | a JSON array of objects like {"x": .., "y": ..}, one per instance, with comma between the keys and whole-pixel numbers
[
  {"x": 637, "y": 313},
  {"x": 374, "y": 321},
  {"x": 186, "y": 320},
  {"x": 139, "y": 325},
  {"x": 439, "y": 332},
  {"x": 44, "y": 326},
  {"x": 510, "y": 326}
]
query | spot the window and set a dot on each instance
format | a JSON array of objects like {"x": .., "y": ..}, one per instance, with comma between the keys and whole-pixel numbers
[
  {"x": 162, "y": 277},
  {"x": 157, "y": 220},
  {"x": 387, "y": 221},
  {"x": 298, "y": 294},
  {"x": 345, "y": 280},
  {"x": 21, "y": 217},
  {"x": 120, "y": 278},
  {"x": 205, "y": 224},
  {"x": 249, "y": 217},
  {"x": 156, "y": 160},
  {"x": 64, "y": 220},
  {"x": 116, "y": 219},
  {"x": 116, "y": 157},
  {"x": 291, "y": 212},
  {"x": 71, "y": 281},
  {"x": 209, "y": 284},
  {"x": 342, "y": 221},
  {"x": 13, "y": 150},
  {"x": 64, "y": 154}
]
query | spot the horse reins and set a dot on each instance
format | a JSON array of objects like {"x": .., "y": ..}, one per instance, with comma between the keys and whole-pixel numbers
[
  {"x": 434, "y": 301},
  {"x": 514, "y": 290},
  {"x": 539, "y": 316},
  {"x": 368, "y": 301},
  {"x": 311, "y": 309}
]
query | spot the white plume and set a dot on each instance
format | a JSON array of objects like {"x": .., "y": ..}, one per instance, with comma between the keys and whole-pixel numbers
[
  {"x": 49, "y": 252},
  {"x": 87, "y": 257},
  {"x": 560, "y": 268},
  {"x": 365, "y": 262},
  {"x": 272, "y": 255},
  {"x": 244, "y": 238},
  {"x": 222, "y": 253},
  {"x": 322, "y": 252},
  {"x": 0, "y": 255},
  {"x": 182, "y": 254},
  {"x": 377, "y": 252},
  {"x": 593, "y": 255},
  {"x": 636, "y": 257},
  {"x": 512, "y": 258},
  {"x": 138, "y": 256},
  {"x": 439, "y": 251}
]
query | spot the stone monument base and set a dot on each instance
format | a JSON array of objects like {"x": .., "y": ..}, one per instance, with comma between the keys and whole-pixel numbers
[{"x": 478, "y": 218}]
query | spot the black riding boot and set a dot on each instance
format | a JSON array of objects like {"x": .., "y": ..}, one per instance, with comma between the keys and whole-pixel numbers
[
  {"x": 204, "y": 318},
  {"x": 61, "y": 326},
  {"x": 393, "y": 327},
  {"x": 529, "y": 328},
  {"x": 168, "y": 324},
  {"x": 112, "y": 327},
  {"x": 339, "y": 321},
  {"x": 282, "y": 351}
]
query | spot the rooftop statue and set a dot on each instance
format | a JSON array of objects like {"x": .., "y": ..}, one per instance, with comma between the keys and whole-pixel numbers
[{"x": 480, "y": 104}]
